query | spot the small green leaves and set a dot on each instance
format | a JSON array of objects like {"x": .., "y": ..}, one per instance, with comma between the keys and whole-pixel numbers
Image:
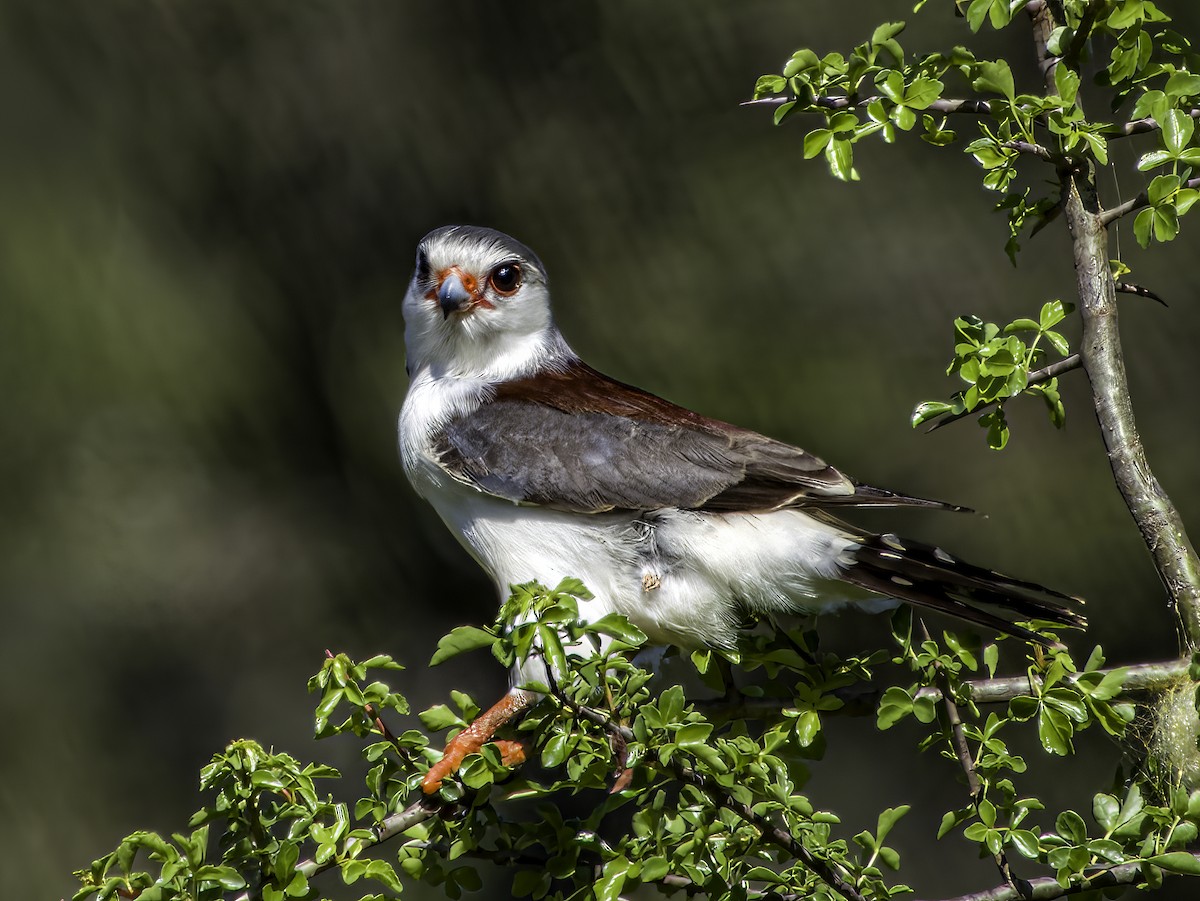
[{"x": 996, "y": 364}]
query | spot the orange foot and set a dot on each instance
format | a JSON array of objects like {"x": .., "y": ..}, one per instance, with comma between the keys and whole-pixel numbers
[{"x": 476, "y": 735}]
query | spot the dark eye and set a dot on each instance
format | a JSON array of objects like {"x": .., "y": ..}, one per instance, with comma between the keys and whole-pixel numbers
[
  {"x": 422, "y": 267},
  {"x": 505, "y": 279}
]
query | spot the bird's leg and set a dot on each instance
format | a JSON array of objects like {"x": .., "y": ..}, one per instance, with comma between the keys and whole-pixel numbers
[{"x": 479, "y": 733}]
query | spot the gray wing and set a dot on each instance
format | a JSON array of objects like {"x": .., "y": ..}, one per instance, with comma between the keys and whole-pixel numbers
[
  {"x": 590, "y": 462},
  {"x": 574, "y": 439}
]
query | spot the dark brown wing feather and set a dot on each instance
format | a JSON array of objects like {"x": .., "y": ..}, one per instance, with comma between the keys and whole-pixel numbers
[{"x": 574, "y": 439}]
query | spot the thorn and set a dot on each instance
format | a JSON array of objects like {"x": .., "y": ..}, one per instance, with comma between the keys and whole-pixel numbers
[{"x": 1127, "y": 288}]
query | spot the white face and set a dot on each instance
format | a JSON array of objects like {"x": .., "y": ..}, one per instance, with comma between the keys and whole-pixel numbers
[{"x": 477, "y": 306}]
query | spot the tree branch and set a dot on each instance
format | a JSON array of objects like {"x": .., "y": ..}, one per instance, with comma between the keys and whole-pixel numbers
[
  {"x": 1082, "y": 33},
  {"x": 1046, "y": 888},
  {"x": 944, "y": 105},
  {"x": 1138, "y": 126},
  {"x": 863, "y": 700},
  {"x": 388, "y": 828},
  {"x": 1156, "y": 516},
  {"x": 1135, "y": 204},
  {"x": 1035, "y": 378}
]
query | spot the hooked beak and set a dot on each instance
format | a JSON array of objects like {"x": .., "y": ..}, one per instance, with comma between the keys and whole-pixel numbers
[{"x": 453, "y": 296}]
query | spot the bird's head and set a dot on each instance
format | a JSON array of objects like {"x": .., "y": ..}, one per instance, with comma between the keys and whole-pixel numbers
[{"x": 478, "y": 306}]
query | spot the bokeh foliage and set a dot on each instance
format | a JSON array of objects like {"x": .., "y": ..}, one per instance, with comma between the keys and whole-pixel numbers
[{"x": 208, "y": 217}]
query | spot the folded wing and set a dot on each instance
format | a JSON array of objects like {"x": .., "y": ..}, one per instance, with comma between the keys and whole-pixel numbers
[{"x": 577, "y": 440}]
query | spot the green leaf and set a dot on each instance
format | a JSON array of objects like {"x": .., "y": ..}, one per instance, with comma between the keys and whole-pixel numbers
[
  {"x": 1066, "y": 82},
  {"x": 816, "y": 141},
  {"x": 1070, "y": 826},
  {"x": 617, "y": 626},
  {"x": 460, "y": 640},
  {"x": 995, "y": 77},
  {"x": 1153, "y": 160},
  {"x": 886, "y": 32},
  {"x": 782, "y": 111},
  {"x": 1058, "y": 342},
  {"x": 1054, "y": 731},
  {"x": 888, "y": 819},
  {"x": 930, "y": 409},
  {"x": 1105, "y": 809},
  {"x": 997, "y": 428},
  {"x": 808, "y": 726},
  {"x": 1053, "y": 312},
  {"x": 769, "y": 84},
  {"x": 439, "y": 717},
  {"x": 839, "y": 153},
  {"x": 952, "y": 818},
  {"x": 922, "y": 92},
  {"x": 891, "y": 85},
  {"x": 1021, "y": 325},
  {"x": 801, "y": 61},
  {"x": 1177, "y": 862},
  {"x": 1183, "y": 84},
  {"x": 924, "y": 708},
  {"x": 693, "y": 734},
  {"x": 894, "y": 706},
  {"x": 1177, "y": 127},
  {"x": 1165, "y": 223},
  {"x": 1026, "y": 842},
  {"x": 991, "y": 657},
  {"x": 1142, "y": 224}
]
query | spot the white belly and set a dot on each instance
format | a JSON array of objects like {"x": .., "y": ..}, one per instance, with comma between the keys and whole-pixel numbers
[
  {"x": 677, "y": 575},
  {"x": 681, "y": 577}
]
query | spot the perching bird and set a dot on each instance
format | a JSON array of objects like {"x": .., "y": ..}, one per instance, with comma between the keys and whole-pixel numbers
[{"x": 544, "y": 468}]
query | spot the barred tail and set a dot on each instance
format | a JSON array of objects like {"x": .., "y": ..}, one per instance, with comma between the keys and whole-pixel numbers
[{"x": 926, "y": 576}]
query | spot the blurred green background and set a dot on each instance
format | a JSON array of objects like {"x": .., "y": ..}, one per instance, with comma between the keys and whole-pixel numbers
[{"x": 207, "y": 218}]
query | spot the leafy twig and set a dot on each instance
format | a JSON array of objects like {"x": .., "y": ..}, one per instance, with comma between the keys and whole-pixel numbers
[
  {"x": 966, "y": 759},
  {"x": 1035, "y": 378},
  {"x": 1136, "y": 203},
  {"x": 1140, "y": 126},
  {"x": 388, "y": 828}
]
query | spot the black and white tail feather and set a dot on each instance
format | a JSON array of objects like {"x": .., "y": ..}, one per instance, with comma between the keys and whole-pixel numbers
[{"x": 928, "y": 577}]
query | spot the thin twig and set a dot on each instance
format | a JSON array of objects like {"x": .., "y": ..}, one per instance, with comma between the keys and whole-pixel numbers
[
  {"x": 966, "y": 759},
  {"x": 1138, "y": 126},
  {"x": 1035, "y": 378},
  {"x": 1136, "y": 203},
  {"x": 388, "y": 828},
  {"x": 1046, "y": 888},
  {"x": 1082, "y": 33},
  {"x": 1042, "y": 153},
  {"x": 943, "y": 105}
]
